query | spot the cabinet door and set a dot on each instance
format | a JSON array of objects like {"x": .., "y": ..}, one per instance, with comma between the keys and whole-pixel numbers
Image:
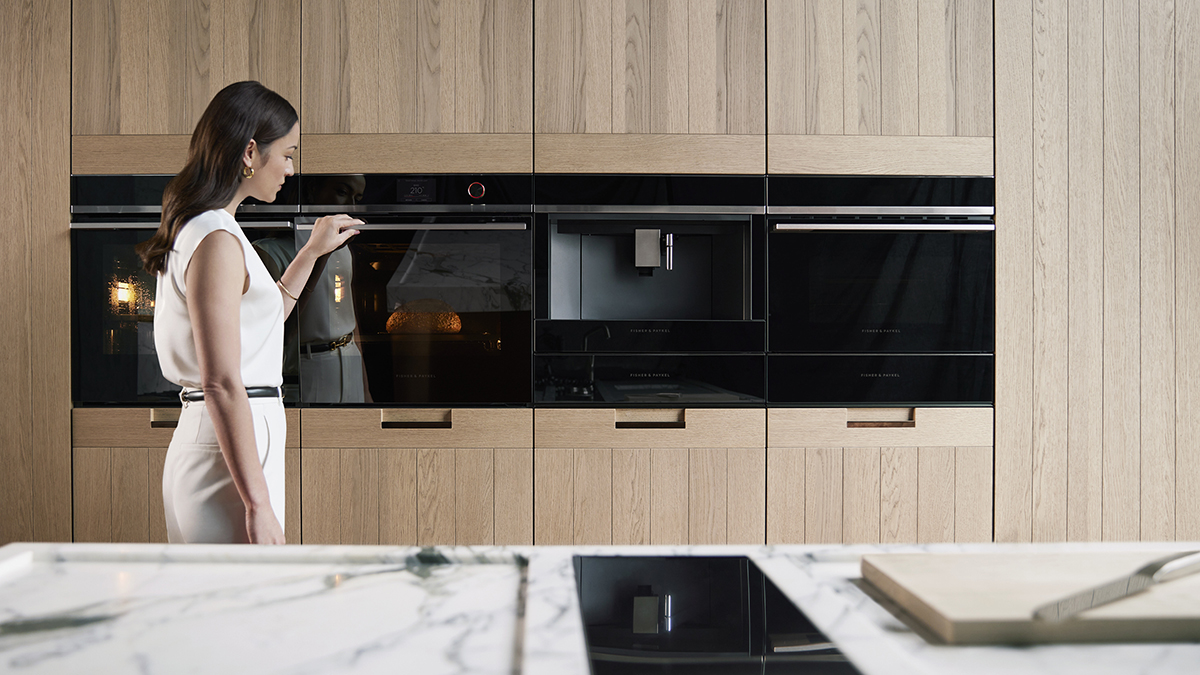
[
  {"x": 650, "y": 86},
  {"x": 424, "y": 477},
  {"x": 674, "y": 476},
  {"x": 117, "y": 470},
  {"x": 143, "y": 71},
  {"x": 880, "y": 86},
  {"x": 413, "y": 86},
  {"x": 879, "y": 476}
]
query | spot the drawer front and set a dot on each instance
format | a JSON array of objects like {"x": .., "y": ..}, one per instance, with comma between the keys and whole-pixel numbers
[
  {"x": 878, "y": 427},
  {"x": 141, "y": 427},
  {"x": 649, "y": 428},
  {"x": 417, "y": 428}
]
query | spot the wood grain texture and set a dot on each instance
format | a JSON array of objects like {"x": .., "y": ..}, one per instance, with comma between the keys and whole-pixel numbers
[
  {"x": 786, "y": 495},
  {"x": 157, "y": 511},
  {"x": 512, "y": 67},
  {"x": 184, "y": 68},
  {"x": 474, "y": 496},
  {"x": 1014, "y": 272},
  {"x": 397, "y": 496},
  {"x": 631, "y": 69},
  {"x": 471, "y": 428},
  {"x": 435, "y": 496},
  {"x": 898, "y": 496},
  {"x": 359, "y": 496},
  {"x": 1122, "y": 347},
  {"x": 746, "y": 506},
  {"x": 96, "y": 65},
  {"x": 1157, "y": 260},
  {"x": 904, "y": 155},
  {"x": 972, "y": 494},
  {"x": 513, "y": 488},
  {"x": 669, "y": 68},
  {"x": 1085, "y": 264},
  {"x": 146, "y": 154},
  {"x": 116, "y": 427},
  {"x": 650, "y": 153},
  {"x": 130, "y": 495},
  {"x": 92, "y": 494},
  {"x": 669, "y": 505},
  {"x": 418, "y": 153},
  {"x": 50, "y": 393},
  {"x": 827, "y": 427},
  {"x": 860, "y": 42},
  {"x": 592, "y": 510},
  {"x": 321, "y": 498},
  {"x": 1050, "y": 325},
  {"x": 553, "y": 496},
  {"x": 935, "y": 494},
  {"x": 1187, "y": 274},
  {"x": 823, "y": 496},
  {"x": 936, "y": 24},
  {"x": 292, "y": 499},
  {"x": 261, "y": 42},
  {"x": 786, "y": 74},
  {"x": 900, "y": 104},
  {"x": 596, "y": 428},
  {"x": 630, "y": 496},
  {"x": 974, "y": 106},
  {"x": 861, "y": 491},
  {"x": 708, "y": 497}
]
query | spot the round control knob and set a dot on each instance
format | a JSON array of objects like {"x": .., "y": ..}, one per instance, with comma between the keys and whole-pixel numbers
[{"x": 475, "y": 190}]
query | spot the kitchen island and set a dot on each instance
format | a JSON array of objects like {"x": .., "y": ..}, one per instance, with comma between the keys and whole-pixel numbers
[{"x": 150, "y": 608}]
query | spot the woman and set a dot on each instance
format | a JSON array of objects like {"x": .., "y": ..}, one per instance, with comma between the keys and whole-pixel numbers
[{"x": 218, "y": 321}]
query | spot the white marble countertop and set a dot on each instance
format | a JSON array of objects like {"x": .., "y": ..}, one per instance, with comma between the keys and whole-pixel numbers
[{"x": 116, "y": 608}]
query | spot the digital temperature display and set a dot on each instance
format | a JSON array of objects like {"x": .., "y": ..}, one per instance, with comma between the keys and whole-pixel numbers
[{"x": 416, "y": 190}]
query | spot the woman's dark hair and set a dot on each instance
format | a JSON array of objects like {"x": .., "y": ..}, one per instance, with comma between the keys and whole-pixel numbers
[{"x": 209, "y": 180}]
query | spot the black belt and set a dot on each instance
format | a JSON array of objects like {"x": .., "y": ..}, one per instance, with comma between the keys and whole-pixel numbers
[
  {"x": 328, "y": 346},
  {"x": 251, "y": 392}
]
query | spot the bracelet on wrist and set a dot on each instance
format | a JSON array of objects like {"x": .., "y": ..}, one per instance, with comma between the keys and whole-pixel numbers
[{"x": 285, "y": 290}]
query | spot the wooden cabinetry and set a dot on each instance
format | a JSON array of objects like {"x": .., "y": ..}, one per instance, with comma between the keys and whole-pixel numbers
[
  {"x": 655, "y": 86},
  {"x": 880, "y": 86},
  {"x": 416, "y": 86},
  {"x": 415, "y": 476},
  {"x": 142, "y": 72},
  {"x": 675, "y": 476},
  {"x": 879, "y": 475},
  {"x": 118, "y": 458}
]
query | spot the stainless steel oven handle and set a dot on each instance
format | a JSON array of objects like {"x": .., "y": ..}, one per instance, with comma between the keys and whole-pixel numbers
[
  {"x": 883, "y": 227},
  {"x": 306, "y": 226},
  {"x": 153, "y": 225}
]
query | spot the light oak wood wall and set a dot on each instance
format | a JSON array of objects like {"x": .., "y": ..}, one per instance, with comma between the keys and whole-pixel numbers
[
  {"x": 1098, "y": 304},
  {"x": 35, "y": 406}
]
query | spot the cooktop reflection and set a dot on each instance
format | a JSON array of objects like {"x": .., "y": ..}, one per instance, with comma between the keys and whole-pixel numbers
[{"x": 688, "y": 615}]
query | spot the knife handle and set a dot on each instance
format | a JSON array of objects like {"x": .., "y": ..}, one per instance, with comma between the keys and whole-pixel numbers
[{"x": 1179, "y": 567}]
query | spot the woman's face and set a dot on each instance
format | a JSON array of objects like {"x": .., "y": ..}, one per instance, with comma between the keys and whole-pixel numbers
[{"x": 272, "y": 167}]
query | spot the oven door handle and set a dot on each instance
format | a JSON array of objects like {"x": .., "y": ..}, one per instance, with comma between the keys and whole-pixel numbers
[
  {"x": 488, "y": 227},
  {"x": 883, "y": 227}
]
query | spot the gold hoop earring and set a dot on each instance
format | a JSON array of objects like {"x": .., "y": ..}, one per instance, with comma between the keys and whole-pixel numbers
[{"x": 247, "y": 172}]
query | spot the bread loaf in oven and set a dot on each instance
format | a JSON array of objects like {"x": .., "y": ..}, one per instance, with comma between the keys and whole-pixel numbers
[{"x": 423, "y": 317}]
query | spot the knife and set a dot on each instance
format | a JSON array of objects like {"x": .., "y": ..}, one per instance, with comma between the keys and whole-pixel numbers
[{"x": 1163, "y": 569}]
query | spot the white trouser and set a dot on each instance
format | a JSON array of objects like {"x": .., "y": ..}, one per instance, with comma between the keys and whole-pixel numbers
[{"x": 202, "y": 503}]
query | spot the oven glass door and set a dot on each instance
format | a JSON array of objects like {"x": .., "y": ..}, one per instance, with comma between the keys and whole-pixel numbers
[
  {"x": 431, "y": 310},
  {"x": 880, "y": 290}
]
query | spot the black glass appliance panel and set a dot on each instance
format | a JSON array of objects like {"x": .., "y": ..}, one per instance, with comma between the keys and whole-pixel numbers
[
  {"x": 442, "y": 310},
  {"x": 555, "y": 190},
  {"x": 649, "y": 336},
  {"x": 881, "y": 291},
  {"x": 416, "y": 191},
  {"x": 857, "y": 379},
  {"x": 651, "y": 380},
  {"x": 890, "y": 191},
  {"x": 94, "y": 194},
  {"x": 692, "y": 615}
]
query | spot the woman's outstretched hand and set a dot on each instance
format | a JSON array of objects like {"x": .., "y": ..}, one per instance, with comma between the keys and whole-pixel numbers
[
  {"x": 262, "y": 527},
  {"x": 330, "y": 232}
]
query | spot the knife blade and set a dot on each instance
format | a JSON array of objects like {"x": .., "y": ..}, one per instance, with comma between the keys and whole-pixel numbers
[{"x": 1168, "y": 567}]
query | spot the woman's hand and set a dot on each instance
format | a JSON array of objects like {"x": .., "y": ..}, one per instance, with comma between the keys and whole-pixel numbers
[
  {"x": 330, "y": 232},
  {"x": 262, "y": 527}
]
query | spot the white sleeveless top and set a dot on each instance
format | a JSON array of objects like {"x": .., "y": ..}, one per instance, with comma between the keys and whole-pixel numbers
[{"x": 261, "y": 311}]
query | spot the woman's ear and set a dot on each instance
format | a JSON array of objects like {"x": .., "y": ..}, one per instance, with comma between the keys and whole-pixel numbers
[{"x": 250, "y": 152}]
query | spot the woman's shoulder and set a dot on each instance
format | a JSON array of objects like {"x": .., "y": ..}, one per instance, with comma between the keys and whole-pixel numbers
[{"x": 203, "y": 224}]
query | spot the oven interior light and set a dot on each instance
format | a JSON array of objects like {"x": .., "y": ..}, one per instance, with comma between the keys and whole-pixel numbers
[{"x": 339, "y": 288}]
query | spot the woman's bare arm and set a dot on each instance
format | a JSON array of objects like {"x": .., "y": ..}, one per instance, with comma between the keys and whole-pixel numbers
[
  {"x": 215, "y": 279},
  {"x": 328, "y": 233}
]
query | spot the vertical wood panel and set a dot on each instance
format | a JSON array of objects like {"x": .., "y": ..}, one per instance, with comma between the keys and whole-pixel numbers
[
  {"x": 291, "y": 494},
  {"x": 786, "y": 495},
  {"x": 707, "y": 495},
  {"x": 183, "y": 67},
  {"x": 1049, "y": 274},
  {"x": 631, "y": 496},
  {"x": 972, "y": 489},
  {"x": 95, "y": 66},
  {"x": 359, "y": 488},
  {"x": 861, "y": 495},
  {"x": 746, "y": 517},
  {"x": 1187, "y": 272},
  {"x": 595, "y": 80},
  {"x": 823, "y": 495},
  {"x": 261, "y": 41},
  {"x": 435, "y": 497},
  {"x": 1122, "y": 351},
  {"x": 899, "y": 84},
  {"x": 474, "y": 86},
  {"x": 631, "y": 67},
  {"x": 157, "y": 512},
  {"x": 669, "y": 496},
  {"x": 1014, "y": 273},
  {"x": 745, "y": 67},
  {"x": 400, "y": 71},
  {"x": 898, "y": 495},
  {"x": 512, "y": 68},
  {"x": 474, "y": 496},
  {"x": 786, "y": 74},
  {"x": 551, "y": 68},
  {"x": 397, "y": 496},
  {"x": 708, "y": 93},
  {"x": 514, "y": 496},
  {"x": 553, "y": 496},
  {"x": 669, "y": 42},
  {"x": 362, "y": 66},
  {"x": 320, "y": 492},
  {"x": 132, "y": 53},
  {"x": 935, "y": 22},
  {"x": 130, "y": 498},
  {"x": 973, "y": 84},
  {"x": 1085, "y": 263},
  {"x": 92, "y": 494},
  {"x": 593, "y": 507},
  {"x": 826, "y": 84},
  {"x": 325, "y": 85},
  {"x": 935, "y": 494},
  {"x": 862, "y": 87},
  {"x": 1157, "y": 258}
]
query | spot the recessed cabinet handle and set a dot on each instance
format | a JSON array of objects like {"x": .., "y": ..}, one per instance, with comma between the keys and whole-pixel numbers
[
  {"x": 668, "y": 418},
  {"x": 402, "y": 418},
  {"x": 164, "y": 418},
  {"x": 881, "y": 418},
  {"x": 882, "y": 424}
]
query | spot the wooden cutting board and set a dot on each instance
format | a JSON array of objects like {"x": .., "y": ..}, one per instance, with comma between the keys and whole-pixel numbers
[{"x": 989, "y": 598}]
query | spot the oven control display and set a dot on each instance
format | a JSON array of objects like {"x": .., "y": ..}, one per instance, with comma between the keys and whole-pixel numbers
[{"x": 416, "y": 190}]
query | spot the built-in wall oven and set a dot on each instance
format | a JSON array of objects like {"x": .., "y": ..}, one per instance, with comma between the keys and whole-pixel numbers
[
  {"x": 112, "y": 297},
  {"x": 881, "y": 290},
  {"x": 431, "y": 304},
  {"x": 650, "y": 290}
]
